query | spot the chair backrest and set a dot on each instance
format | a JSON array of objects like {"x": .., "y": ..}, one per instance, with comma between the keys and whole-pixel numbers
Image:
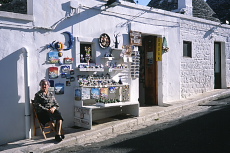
[
  {"x": 40, "y": 124},
  {"x": 34, "y": 110},
  {"x": 32, "y": 101}
]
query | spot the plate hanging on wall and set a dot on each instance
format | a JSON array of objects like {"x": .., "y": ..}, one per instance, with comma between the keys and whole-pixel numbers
[{"x": 104, "y": 40}]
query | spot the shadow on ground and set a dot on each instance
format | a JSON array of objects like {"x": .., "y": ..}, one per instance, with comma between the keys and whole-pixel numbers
[{"x": 209, "y": 133}]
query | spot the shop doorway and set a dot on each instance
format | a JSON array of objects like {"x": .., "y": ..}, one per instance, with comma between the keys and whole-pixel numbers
[
  {"x": 148, "y": 72},
  {"x": 217, "y": 65}
]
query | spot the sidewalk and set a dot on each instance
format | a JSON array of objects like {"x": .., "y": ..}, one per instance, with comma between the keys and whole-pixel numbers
[{"x": 102, "y": 129}]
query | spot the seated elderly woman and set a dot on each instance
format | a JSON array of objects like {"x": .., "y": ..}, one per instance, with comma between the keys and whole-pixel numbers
[{"x": 47, "y": 109}]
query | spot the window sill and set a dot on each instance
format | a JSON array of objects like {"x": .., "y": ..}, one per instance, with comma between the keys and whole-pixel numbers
[{"x": 16, "y": 16}]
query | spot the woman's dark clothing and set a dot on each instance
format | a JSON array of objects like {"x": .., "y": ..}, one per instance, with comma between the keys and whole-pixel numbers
[
  {"x": 43, "y": 102},
  {"x": 46, "y": 116}
]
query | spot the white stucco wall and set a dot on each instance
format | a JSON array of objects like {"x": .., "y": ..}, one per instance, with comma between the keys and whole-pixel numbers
[{"x": 178, "y": 77}]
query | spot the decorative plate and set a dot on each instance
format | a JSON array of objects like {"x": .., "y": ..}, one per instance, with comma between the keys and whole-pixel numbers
[{"x": 104, "y": 40}]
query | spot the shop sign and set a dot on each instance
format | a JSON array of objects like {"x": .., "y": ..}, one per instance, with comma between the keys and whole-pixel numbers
[
  {"x": 159, "y": 49},
  {"x": 135, "y": 38},
  {"x": 83, "y": 117}
]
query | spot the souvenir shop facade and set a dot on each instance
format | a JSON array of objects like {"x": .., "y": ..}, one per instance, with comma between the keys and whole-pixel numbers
[{"x": 103, "y": 60}]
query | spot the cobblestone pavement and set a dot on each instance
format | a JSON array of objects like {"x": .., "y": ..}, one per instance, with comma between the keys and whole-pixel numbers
[
  {"x": 144, "y": 129},
  {"x": 114, "y": 130}
]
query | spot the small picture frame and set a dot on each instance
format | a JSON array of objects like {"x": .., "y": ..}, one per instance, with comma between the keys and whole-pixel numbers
[
  {"x": 104, "y": 92},
  {"x": 65, "y": 69},
  {"x": 51, "y": 83},
  {"x": 68, "y": 60},
  {"x": 53, "y": 57},
  {"x": 63, "y": 75},
  {"x": 59, "y": 88},
  {"x": 51, "y": 88},
  {"x": 78, "y": 94},
  {"x": 68, "y": 83},
  {"x": 95, "y": 93},
  {"x": 72, "y": 79},
  {"x": 85, "y": 93},
  {"x": 68, "y": 76},
  {"x": 53, "y": 72},
  {"x": 71, "y": 72}
]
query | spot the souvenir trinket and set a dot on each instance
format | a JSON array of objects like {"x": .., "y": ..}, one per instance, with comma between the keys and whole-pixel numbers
[
  {"x": 71, "y": 72},
  {"x": 60, "y": 54},
  {"x": 77, "y": 94},
  {"x": 59, "y": 46},
  {"x": 59, "y": 88},
  {"x": 72, "y": 79},
  {"x": 87, "y": 54},
  {"x": 116, "y": 40},
  {"x": 85, "y": 93},
  {"x": 68, "y": 83},
  {"x": 53, "y": 72},
  {"x": 104, "y": 40},
  {"x": 95, "y": 93},
  {"x": 68, "y": 76},
  {"x": 53, "y": 57},
  {"x": 51, "y": 88},
  {"x": 71, "y": 40},
  {"x": 104, "y": 92},
  {"x": 63, "y": 75},
  {"x": 68, "y": 60},
  {"x": 65, "y": 69}
]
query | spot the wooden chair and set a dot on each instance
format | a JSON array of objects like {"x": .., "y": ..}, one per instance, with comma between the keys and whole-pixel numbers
[{"x": 44, "y": 129}]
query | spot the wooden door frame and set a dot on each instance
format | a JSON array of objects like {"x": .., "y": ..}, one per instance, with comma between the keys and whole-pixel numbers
[{"x": 155, "y": 63}]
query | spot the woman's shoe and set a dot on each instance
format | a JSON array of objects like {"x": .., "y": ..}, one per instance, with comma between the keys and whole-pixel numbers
[
  {"x": 58, "y": 138},
  {"x": 63, "y": 136}
]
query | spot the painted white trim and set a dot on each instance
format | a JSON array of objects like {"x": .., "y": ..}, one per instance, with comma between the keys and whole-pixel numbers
[
  {"x": 30, "y": 7},
  {"x": 223, "y": 66},
  {"x": 85, "y": 39},
  {"x": 16, "y": 16}
]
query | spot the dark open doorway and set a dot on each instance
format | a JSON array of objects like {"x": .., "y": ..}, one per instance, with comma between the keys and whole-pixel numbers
[{"x": 217, "y": 65}]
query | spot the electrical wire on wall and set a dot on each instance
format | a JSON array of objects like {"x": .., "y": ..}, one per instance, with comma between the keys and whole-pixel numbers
[
  {"x": 75, "y": 11},
  {"x": 22, "y": 26},
  {"x": 138, "y": 15}
]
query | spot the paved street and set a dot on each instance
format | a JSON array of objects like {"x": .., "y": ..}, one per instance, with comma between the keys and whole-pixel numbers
[{"x": 200, "y": 129}]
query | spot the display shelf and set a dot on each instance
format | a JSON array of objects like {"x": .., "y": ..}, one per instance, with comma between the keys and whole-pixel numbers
[
  {"x": 91, "y": 69},
  {"x": 117, "y": 69},
  {"x": 102, "y": 86},
  {"x": 116, "y": 104},
  {"x": 108, "y": 58},
  {"x": 135, "y": 65},
  {"x": 117, "y": 100},
  {"x": 99, "y": 105},
  {"x": 85, "y": 115},
  {"x": 116, "y": 49},
  {"x": 109, "y": 104}
]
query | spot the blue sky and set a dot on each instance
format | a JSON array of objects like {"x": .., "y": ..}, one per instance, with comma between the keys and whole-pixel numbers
[{"x": 143, "y": 2}]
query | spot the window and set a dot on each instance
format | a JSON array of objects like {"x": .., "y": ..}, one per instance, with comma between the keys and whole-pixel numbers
[
  {"x": 85, "y": 53},
  {"x": 16, "y": 6},
  {"x": 187, "y": 49},
  {"x": 17, "y": 9}
]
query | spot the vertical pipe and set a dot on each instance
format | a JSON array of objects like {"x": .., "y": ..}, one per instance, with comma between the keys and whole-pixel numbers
[{"x": 27, "y": 94}]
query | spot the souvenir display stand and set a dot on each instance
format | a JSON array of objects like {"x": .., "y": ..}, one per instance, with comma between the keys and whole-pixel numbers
[{"x": 104, "y": 90}]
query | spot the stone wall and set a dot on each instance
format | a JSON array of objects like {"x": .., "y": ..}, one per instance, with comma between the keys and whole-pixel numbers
[{"x": 197, "y": 73}]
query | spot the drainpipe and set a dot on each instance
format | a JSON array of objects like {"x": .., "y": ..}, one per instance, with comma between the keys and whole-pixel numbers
[{"x": 27, "y": 93}]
